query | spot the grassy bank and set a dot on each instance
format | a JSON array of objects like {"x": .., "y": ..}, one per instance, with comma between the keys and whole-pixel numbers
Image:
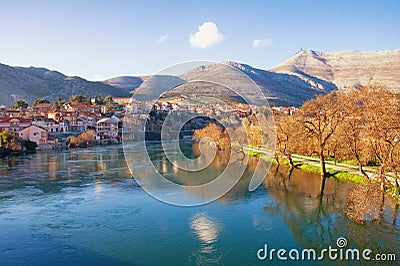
[
  {"x": 339, "y": 175},
  {"x": 391, "y": 190}
]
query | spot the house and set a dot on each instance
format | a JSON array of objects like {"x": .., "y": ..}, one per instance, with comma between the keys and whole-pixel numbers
[
  {"x": 90, "y": 118},
  {"x": 78, "y": 107},
  {"x": 14, "y": 124},
  {"x": 59, "y": 115},
  {"x": 123, "y": 100},
  {"x": 42, "y": 108},
  {"x": 12, "y": 113},
  {"x": 77, "y": 125},
  {"x": 64, "y": 125},
  {"x": 109, "y": 108},
  {"x": 48, "y": 123},
  {"x": 34, "y": 133},
  {"x": 3, "y": 112},
  {"x": 108, "y": 127}
]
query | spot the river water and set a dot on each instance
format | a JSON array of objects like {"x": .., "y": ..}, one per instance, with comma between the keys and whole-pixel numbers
[{"x": 82, "y": 207}]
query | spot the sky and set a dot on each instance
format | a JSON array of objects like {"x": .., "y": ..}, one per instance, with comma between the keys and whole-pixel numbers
[{"x": 101, "y": 39}]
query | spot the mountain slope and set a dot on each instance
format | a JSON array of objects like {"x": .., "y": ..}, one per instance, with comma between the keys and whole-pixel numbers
[
  {"x": 294, "y": 81},
  {"x": 32, "y": 83},
  {"x": 346, "y": 69},
  {"x": 127, "y": 83},
  {"x": 279, "y": 89}
]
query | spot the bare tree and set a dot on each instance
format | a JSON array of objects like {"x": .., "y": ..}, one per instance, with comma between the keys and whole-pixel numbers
[
  {"x": 288, "y": 137},
  {"x": 382, "y": 120},
  {"x": 350, "y": 133},
  {"x": 320, "y": 118}
]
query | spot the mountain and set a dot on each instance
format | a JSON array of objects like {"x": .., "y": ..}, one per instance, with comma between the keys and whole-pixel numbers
[
  {"x": 345, "y": 69},
  {"x": 153, "y": 87},
  {"x": 279, "y": 89},
  {"x": 127, "y": 83},
  {"x": 291, "y": 83},
  {"x": 32, "y": 83}
]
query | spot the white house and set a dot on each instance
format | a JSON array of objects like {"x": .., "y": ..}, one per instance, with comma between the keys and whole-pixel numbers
[
  {"x": 108, "y": 127},
  {"x": 48, "y": 123}
]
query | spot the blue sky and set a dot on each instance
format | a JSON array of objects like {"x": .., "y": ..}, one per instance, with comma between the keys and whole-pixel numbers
[{"x": 101, "y": 39}]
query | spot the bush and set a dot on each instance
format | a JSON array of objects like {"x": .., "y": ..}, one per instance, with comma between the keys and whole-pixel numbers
[
  {"x": 216, "y": 133},
  {"x": 29, "y": 145},
  {"x": 83, "y": 140}
]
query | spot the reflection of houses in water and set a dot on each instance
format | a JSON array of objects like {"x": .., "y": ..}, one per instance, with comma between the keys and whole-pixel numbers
[
  {"x": 101, "y": 164},
  {"x": 98, "y": 187},
  {"x": 52, "y": 168}
]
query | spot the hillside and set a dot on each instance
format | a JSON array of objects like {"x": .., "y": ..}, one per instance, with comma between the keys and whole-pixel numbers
[
  {"x": 32, "y": 83},
  {"x": 346, "y": 69},
  {"x": 127, "y": 83},
  {"x": 279, "y": 89}
]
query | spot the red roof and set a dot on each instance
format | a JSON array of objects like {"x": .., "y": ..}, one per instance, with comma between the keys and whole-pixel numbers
[
  {"x": 21, "y": 120},
  {"x": 91, "y": 114},
  {"x": 78, "y": 105}
]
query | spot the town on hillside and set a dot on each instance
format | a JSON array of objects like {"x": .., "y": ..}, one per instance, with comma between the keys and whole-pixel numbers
[{"x": 55, "y": 125}]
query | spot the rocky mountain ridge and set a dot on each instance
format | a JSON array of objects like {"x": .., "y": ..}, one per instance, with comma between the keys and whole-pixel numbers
[{"x": 297, "y": 79}]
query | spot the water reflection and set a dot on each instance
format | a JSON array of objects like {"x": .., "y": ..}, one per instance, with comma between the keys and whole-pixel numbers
[
  {"x": 92, "y": 200},
  {"x": 207, "y": 232},
  {"x": 52, "y": 171},
  {"x": 317, "y": 223}
]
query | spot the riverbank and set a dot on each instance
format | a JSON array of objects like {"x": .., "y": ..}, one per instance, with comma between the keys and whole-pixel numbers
[
  {"x": 341, "y": 174},
  {"x": 340, "y": 171}
]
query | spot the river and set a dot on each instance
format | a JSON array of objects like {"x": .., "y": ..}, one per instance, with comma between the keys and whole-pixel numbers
[{"x": 82, "y": 207}]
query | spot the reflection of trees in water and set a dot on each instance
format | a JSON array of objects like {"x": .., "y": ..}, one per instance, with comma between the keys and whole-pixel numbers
[
  {"x": 218, "y": 165},
  {"x": 314, "y": 222},
  {"x": 318, "y": 222},
  {"x": 366, "y": 203}
]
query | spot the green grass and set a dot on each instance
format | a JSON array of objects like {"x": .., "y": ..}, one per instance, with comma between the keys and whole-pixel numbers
[
  {"x": 391, "y": 190},
  {"x": 348, "y": 177},
  {"x": 394, "y": 192},
  {"x": 339, "y": 175}
]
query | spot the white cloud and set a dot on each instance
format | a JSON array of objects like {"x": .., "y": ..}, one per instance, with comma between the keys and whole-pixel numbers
[
  {"x": 207, "y": 35},
  {"x": 262, "y": 42},
  {"x": 163, "y": 38}
]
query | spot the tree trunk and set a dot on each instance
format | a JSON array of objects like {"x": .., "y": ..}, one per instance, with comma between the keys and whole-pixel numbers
[
  {"x": 323, "y": 174},
  {"x": 277, "y": 160},
  {"x": 289, "y": 173},
  {"x": 377, "y": 219},
  {"x": 360, "y": 167},
  {"x": 383, "y": 179},
  {"x": 290, "y": 160},
  {"x": 395, "y": 179}
]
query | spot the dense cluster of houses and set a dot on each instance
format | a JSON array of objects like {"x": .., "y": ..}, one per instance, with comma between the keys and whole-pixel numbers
[{"x": 51, "y": 127}]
